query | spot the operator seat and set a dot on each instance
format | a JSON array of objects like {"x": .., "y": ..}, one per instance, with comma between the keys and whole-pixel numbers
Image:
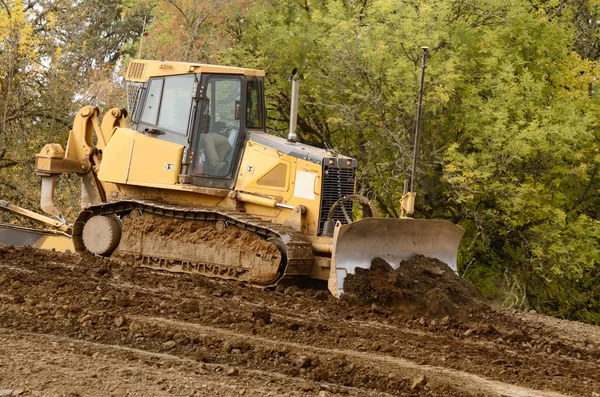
[{"x": 216, "y": 147}]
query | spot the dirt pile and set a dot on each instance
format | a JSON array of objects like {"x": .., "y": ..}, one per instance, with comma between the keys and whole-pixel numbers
[{"x": 420, "y": 286}]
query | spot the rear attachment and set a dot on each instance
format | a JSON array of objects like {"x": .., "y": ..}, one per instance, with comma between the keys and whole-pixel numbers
[
  {"x": 355, "y": 245},
  {"x": 20, "y": 236},
  {"x": 58, "y": 238}
]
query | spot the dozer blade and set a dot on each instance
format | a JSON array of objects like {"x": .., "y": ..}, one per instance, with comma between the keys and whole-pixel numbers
[
  {"x": 394, "y": 240},
  {"x": 20, "y": 236}
]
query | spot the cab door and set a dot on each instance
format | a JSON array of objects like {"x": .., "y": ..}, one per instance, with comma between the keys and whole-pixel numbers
[{"x": 219, "y": 131}]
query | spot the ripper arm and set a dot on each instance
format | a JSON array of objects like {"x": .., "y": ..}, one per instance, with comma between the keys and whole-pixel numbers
[{"x": 81, "y": 155}]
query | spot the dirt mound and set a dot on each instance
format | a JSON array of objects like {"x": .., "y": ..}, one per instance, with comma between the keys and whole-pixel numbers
[{"x": 420, "y": 286}]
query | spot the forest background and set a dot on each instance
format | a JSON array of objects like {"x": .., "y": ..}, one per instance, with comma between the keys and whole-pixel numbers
[{"x": 510, "y": 148}]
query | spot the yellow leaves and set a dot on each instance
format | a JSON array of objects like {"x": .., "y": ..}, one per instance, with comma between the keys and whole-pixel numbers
[
  {"x": 335, "y": 120},
  {"x": 51, "y": 20},
  {"x": 440, "y": 96},
  {"x": 16, "y": 31}
]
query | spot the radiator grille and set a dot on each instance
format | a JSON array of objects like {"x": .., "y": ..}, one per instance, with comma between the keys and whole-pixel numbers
[
  {"x": 337, "y": 183},
  {"x": 133, "y": 98},
  {"x": 135, "y": 71}
]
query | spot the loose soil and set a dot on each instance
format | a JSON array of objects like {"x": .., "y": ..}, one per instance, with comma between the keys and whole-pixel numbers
[
  {"x": 78, "y": 325},
  {"x": 184, "y": 244},
  {"x": 180, "y": 232},
  {"x": 419, "y": 286}
]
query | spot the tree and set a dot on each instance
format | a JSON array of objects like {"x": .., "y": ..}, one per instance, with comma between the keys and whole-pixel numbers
[
  {"x": 53, "y": 55},
  {"x": 190, "y": 30}
]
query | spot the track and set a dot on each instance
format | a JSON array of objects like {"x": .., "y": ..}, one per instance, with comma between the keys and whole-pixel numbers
[
  {"x": 195, "y": 252},
  {"x": 78, "y": 325}
]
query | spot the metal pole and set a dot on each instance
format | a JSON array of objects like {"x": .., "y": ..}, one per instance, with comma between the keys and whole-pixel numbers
[
  {"x": 142, "y": 39},
  {"x": 418, "y": 123}
]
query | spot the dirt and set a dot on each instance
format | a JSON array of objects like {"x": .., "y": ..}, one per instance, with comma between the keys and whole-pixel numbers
[
  {"x": 79, "y": 325},
  {"x": 188, "y": 245},
  {"x": 419, "y": 286},
  {"x": 194, "y": 231}
]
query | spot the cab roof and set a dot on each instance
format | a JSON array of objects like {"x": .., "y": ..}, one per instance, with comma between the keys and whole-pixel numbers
[{"x": 140, "y": 70}]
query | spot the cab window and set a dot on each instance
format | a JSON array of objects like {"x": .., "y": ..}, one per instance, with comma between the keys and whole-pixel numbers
[
  {"x": 254, "y": 106},
  {"x": 152, "y": 102},
  {"x": 176, "y": 104},
  {"x": 220, "y": 126},
  {"x": 168, "y": 104}
]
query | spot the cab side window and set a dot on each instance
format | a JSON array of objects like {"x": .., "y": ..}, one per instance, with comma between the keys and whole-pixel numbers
[
  {"x": 176, "y": 104},
  {"x": 152, "y": 104},
  {"x": 169, "y": 103},
  {"x": 254, "y": 106}
]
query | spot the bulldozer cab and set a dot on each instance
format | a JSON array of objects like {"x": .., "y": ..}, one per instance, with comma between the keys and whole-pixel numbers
[{"x": 209, "y": 114}]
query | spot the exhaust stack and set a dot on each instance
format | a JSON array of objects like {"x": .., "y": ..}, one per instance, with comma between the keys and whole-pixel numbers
[{"x": 292, "y": 137}]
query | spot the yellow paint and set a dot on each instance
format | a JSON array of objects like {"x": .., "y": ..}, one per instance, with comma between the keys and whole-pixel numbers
[
  {"x": 176, "y": 195},
  {"x": 155, "y": 161},
  {"x": 58, "y": 243},
  {"x": 260, "y": 160},
  {"x": 116, "y": 156},
  {"x": 142, "y": 70},
  {"x": 312, "y": 206},
  {"x": 134, "y": 158}
]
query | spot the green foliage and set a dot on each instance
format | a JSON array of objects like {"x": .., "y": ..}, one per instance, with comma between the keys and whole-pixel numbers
[
  {"x": 54, "y": 57},
  {"x": 523, "y": 164},
  {"x": 509, "y": 147}
]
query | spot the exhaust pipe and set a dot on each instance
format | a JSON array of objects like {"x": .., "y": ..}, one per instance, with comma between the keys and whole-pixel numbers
[{"x": 292, "y": 137}]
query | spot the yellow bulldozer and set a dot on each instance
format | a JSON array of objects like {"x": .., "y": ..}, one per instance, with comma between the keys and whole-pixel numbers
[{"x": 197, "y": 185}]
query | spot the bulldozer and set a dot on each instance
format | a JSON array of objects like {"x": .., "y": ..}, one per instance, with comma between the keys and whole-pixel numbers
[{"x": 195, "y": 184}]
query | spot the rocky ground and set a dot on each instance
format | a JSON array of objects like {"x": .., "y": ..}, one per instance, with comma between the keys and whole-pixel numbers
[{"x": 75, "y": 325}]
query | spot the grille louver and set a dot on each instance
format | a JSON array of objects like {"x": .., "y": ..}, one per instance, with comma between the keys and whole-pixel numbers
[
  {"x": 337, "y": 184},
  {"x": 133, "y": 98},
  {"x": 135, "y": 71}
]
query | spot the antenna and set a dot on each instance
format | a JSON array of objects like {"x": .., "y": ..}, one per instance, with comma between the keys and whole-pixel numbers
[
  {"x": 407, "y": 203},
  {"x": 142, "y": 38},
  {"x": 418, "y": 123}
]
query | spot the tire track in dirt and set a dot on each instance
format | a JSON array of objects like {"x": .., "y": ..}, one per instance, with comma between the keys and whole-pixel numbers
[
  {"x": 466, "y": 381},
  {"x": 300, "y": 334},
  {"x": 139, "y": 358}
]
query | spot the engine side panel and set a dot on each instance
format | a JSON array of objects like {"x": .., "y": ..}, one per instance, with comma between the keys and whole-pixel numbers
[
  {"x": 293, "y": 181},
  {"x": 132, "y": 157}
]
